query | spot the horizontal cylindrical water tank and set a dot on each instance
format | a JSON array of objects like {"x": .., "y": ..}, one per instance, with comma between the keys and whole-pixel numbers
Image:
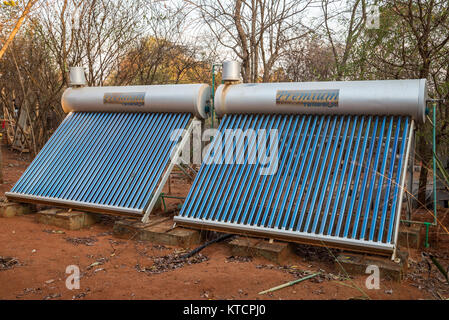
[
  {"x": 377, "y": 97},
  {"x": 190, "y": 98}
]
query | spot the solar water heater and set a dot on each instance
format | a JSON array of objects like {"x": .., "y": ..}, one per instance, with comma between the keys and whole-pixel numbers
[
  {"x": 115, "y": 149},
  {"x": 338, "y": 153}
]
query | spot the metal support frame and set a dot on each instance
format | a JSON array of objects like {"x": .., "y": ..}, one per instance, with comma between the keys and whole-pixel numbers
[
  {"x": 286, "y": 233},
  {"x": 185, "y": 172},
  {"x": 410, "y": 173},
  {"x": 168, "y": 171},
  {"x": 88, "y": 206},
  {"x": 401, "y": 189}
]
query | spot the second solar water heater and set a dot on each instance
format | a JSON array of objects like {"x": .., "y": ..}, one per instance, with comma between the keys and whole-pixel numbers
[
  {"x": 341, "y": 151},
  {"x": 113, "y": 151}
]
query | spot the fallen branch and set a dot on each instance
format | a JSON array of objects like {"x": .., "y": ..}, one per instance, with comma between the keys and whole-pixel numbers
[
  {"x": 288, "y": 284},
  {"x": 445, "y": 273}
]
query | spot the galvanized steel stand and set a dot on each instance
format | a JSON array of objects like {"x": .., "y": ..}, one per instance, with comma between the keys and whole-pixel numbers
[{"x": 173, "y": 162}]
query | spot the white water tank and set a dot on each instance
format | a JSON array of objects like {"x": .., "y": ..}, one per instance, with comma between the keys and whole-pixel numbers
[
  {"x": 377, "y": 97},
  {"x": 190, "y": 98}
]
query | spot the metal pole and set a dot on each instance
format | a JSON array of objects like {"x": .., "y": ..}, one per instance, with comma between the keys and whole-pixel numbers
[
  {"x": 213, "y": 93},
  {"x": 213, "y": 97},
  {"x": 434, "y": 166},
  {"x": 410, "y": 182}
]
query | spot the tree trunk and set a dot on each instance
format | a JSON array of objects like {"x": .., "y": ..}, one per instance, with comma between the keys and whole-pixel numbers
[
  {"x": 422, "y": 186},
  {"x": 424, "y": 152},
  {"x": 16, "y": 27},
  {"x": 423, "y": 148},
  {"x": 1, "y": 160}
]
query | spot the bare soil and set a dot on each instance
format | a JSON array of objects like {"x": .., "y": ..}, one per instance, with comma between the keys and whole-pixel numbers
[{"x": 126, "y": 269}]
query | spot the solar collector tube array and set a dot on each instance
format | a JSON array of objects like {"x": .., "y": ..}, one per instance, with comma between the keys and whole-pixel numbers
[
  {"x": 341, "y": 151},
  {"x": 337, "y": 180},
  {"x": 113, "y": 160}
]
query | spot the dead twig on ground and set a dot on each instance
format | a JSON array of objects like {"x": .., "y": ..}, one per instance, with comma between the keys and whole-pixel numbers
[
  {"x": 290, "y": 283},
  {"x": 8, "y": 263},
  {"x": 171, "y": 262},
  {"x": 88, "y": 241}
]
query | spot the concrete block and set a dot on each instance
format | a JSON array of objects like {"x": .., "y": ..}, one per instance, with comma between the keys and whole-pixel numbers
[
  {"x": 410, "y": 237},
  {"x": 70, "y": 220},
  {"x": 277, "y": 252},
  {"x": 129, "y": 229},
  {"x": 11, "y": 209},
  {"x": 157, "y": 230},
  {"x": 356, "y": 264}
]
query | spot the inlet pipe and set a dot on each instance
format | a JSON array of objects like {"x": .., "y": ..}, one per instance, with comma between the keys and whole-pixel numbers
[{"x": 212, "y": 113}]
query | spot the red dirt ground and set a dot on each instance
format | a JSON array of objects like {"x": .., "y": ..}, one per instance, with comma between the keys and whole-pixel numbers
[{"x": 43, "y": 257}]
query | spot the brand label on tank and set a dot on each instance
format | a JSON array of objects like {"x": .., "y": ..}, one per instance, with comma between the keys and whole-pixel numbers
[
  {"x": 127, "y": 99},
  {"x": 308, "y": 98}
]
